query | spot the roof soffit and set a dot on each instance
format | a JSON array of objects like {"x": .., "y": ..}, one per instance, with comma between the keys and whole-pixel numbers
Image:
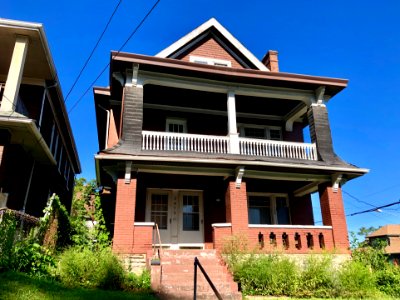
[{"x": 203, "y": 31}]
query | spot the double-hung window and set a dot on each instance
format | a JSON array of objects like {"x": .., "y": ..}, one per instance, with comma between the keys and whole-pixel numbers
[
  {"x": 268, "y": 209},
  {"x": 260, "y": 132}
]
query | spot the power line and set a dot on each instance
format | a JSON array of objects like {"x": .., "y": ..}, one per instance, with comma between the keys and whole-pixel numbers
[
  {"x": 114, "y": 56},
  {"x": 357, "y": 199},
  {"x": 93, "y": 50},
  {"x": 377, "y": 209}
]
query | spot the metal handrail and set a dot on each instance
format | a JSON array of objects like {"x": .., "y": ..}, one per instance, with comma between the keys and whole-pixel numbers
[
  {"x": 197, "y": 264},
  {"x": 159, "y": 250}
]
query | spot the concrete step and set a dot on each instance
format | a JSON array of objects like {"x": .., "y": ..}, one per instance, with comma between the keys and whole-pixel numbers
[{"x": 176, "y": 277}]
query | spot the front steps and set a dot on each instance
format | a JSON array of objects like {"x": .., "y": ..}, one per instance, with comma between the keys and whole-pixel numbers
[{"x": 174, "y": 278}]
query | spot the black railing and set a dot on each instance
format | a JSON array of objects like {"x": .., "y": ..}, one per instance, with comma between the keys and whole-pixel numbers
[{"x": 197, "y": 264}]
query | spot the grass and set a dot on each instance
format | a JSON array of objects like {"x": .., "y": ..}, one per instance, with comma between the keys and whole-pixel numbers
[{"x": 20, "y": 287}]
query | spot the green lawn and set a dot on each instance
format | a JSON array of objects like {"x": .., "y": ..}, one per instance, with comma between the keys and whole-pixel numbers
[{"x": 20, "y": 286}]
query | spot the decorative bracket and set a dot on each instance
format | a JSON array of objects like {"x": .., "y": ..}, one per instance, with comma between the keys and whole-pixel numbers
[
  {"x": 118, "y": 76},
  {"x": 132, "y": 75},
  {"x": 336, "y": 180},
  {"x": 293, "y": 116},
  {"x": 128, "y": 172},
  {"x": 239, "y": 175},
  {"x": 319, "y": 95}
]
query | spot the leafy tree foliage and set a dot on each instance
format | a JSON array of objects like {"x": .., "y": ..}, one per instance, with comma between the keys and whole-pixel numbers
[{"x": 89, "y": 229}]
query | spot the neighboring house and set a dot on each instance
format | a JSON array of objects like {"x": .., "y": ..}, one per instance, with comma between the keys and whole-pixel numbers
[
  {"x": 390, "y": 234},
  {"x": 38, "y": 156},
  {"x": 206, "y": 141}
]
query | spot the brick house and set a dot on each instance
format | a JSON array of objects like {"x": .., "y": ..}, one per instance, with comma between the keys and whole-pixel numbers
[
  {"x": 38, "y": 156},
  {"x": 391, "y": 234},
  {"x": 206, "y": 141}
]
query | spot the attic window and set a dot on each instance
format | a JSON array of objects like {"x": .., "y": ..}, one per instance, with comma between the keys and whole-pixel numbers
[{"x": 210, "y": 61}]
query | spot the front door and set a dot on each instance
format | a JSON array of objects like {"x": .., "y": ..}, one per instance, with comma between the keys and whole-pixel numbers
[{"x": 179, "y": 216}]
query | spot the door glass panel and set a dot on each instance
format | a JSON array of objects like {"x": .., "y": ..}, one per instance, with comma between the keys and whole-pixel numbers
[
  {"x": 191, "y": 213},
  {"x": 159, "y": 210}
]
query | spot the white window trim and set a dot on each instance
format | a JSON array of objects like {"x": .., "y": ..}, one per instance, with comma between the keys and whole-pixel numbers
[
  {"x": 210, "y": 61},
  {"x": 272, "y": 196},
  {"x": 177, "y": 121},
  {"x": 267, "y": 130}
]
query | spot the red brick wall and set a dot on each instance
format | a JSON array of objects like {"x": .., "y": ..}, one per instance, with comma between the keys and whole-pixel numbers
[
  {"x": 219, "y": 236},
  {"x": 296, "y": 135},
  {"x": 211, "y": 49},
  {"x": 236, "y": 207},
  {"x": 268, "y": 247},
  {"x": 142, "y": 239},
  {"x": 124, "y": 216},
  {"x": 301, "y": 212},
  {"x": 332, "y": 210}
]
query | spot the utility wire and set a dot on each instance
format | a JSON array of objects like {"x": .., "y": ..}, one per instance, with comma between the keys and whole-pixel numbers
[
  {"x": 357, "y": 199},
  {"x": 374, "y": 209},
  {"x": 114, "y": 56},
  {"x": 93, "y": 50}
]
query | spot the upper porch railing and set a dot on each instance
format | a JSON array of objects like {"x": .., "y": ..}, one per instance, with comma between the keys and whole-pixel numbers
[{"x": 168, "y": 141}]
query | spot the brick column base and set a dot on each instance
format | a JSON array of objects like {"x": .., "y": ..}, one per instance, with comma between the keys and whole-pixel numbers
[
  {"x": 236, "y": 208},
  {"x": 332, "y": 210},
  {"x": 124, "y": 216}
]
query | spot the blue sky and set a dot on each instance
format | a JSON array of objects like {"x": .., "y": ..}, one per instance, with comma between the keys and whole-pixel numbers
[{"x": 341, "y": 39}]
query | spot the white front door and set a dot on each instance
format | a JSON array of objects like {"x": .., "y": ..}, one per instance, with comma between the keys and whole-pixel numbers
[{"x": 178, "y": 214}]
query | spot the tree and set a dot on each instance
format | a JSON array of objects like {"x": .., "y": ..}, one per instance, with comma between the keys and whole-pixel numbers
[{"x": 89, "y": 229}]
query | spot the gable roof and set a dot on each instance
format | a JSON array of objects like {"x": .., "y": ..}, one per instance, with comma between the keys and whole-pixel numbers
[{"x": 196, "y": 35}]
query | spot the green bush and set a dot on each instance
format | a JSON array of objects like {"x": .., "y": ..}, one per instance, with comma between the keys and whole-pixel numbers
[
  {"x": 8, "y": 228},
  {"x": 357, "y": 280},
  {"x": 81, "y": 267},
  {"x": 388, "y": 280},
  {"x": 31, "y": 258},
  {"x": 134, "y": 282},
  {"x": 318, "y": 278},
  {"x": 267, "y": 275}
]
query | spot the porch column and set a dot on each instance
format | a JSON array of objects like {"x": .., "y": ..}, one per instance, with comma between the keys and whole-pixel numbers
[
  {"x": 320, "y": 132},
  {"x": 332, "y": 210},
  {"x": 232, "y": 127},
  {"x": 124, "y": 215},
  {"x": 10, "y": 95},
  {"x": 236, "y": 207}
]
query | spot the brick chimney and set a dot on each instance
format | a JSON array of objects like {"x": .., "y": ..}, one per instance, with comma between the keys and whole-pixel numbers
[{"x": 270, "y": 60}]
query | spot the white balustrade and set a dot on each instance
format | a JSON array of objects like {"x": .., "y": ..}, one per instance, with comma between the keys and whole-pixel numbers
[
  {"x": 168, "y": 141},
  {"x": 279, "y": 149}
]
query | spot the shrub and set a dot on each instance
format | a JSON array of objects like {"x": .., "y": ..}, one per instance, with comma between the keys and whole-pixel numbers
[
  {"x": 134, "y": 282},
  {"x": 81, "y": 267},
  {"x": 267, "y": 275},
  {"x": 31, "y": 258},
  {"x": 357, "y": 280},
  {"x": 318, "y": 278},
  {"x": 8, "y": 228},
  {"x": 388, "y": 280}
]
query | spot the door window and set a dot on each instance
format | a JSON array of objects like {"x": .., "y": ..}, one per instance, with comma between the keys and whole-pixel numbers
[
  {"x": 159, "y": 210},
  {"x": 191, "y": 213}
]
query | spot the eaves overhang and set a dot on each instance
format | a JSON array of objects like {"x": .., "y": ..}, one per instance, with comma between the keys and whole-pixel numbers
[
  {"x": 259, "y": 165},
  {"x": 25, "y": 133},
  {"x": 120, "y": 61},
  {"x": 40, "y": 47}
]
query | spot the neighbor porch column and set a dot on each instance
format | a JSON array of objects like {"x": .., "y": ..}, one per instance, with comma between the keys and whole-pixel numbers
[
  {"x": 236, "y": 207},
  {"x": 124, "y": 215},
  {"x": 332, "y": 210},
  {"x": 232, "y": 127},
  {"x": 14, "y": 77}
]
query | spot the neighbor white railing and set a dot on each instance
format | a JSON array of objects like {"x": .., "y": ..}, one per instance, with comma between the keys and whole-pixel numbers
[
  {"x": 279, "y": 149},
  {"x": 168, "y": 141}
]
